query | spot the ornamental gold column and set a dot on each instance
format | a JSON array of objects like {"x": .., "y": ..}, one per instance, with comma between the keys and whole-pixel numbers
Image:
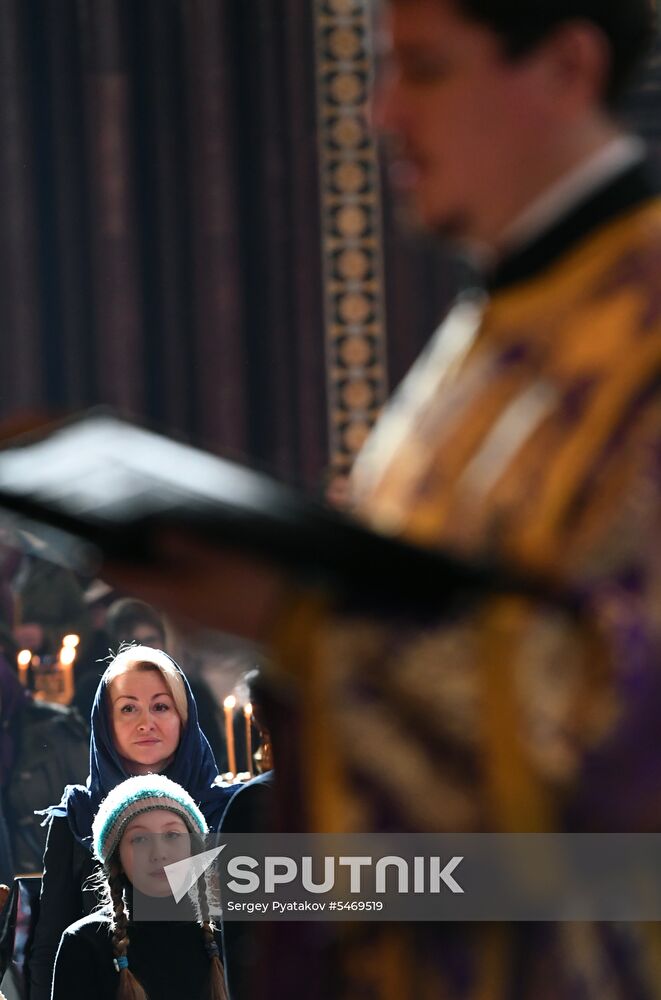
[{"x": 351, "y": 227}]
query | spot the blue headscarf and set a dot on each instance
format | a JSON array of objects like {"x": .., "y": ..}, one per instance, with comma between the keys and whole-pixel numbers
[{"x": 193, "y": 767}]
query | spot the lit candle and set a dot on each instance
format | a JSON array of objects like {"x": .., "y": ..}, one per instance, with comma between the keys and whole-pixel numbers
[
  {"x": 71, "y": 640},
  {"x": 228, "y": 705},
  {"x": 66, "y": 657},
  {"x": 247, "y": 713},
  {"x": 24, "y": 660}
]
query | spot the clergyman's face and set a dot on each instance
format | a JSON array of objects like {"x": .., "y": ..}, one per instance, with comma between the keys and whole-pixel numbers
[{"x": 465, "y": 119}]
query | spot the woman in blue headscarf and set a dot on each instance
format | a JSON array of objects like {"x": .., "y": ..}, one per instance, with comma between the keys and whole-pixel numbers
[{"x": 144, "y": 720}]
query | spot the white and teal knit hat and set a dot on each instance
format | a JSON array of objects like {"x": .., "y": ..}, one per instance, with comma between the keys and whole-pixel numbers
[{"x": 140, "y": 794}]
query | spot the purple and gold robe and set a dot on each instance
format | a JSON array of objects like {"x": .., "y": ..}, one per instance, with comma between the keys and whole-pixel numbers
[{"x": 530, "y": 432}]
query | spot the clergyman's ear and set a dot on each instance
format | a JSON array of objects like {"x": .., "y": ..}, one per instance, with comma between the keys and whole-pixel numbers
[{"x": 578, "y": 60}]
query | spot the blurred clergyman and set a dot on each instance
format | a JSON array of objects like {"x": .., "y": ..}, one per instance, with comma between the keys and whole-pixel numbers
[{"x": 530, "y": 432}]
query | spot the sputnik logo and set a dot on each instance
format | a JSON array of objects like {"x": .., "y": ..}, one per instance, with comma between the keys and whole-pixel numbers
[{"x": 182, "y": 875}]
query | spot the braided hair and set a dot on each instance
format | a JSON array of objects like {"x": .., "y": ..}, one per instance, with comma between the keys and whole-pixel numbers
[
  {"x": 216, "y": 982},
  {"x": 128, "y": 987}
]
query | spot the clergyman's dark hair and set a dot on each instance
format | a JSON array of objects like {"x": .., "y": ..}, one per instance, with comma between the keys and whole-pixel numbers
[{"x": 628, "y": 26}]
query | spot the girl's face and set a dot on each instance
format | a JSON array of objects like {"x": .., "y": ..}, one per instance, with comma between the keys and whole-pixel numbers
[
  {"x": 150, "y": 842},
  {"x": 146, "y": 726}
]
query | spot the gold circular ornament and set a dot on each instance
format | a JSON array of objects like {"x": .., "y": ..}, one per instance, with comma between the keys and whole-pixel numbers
[
  {"x": 354, "y": 307},
  {"x": 348, "y": 132},
  {"x": 355, "y": 352},
  {"x": 358, "y": 395},
  {"x": 346, "y": 88},
  {"x": 351, "y": 220},
  {"x": 344, "y": 43},
  {"x": 350, "y": 177},
  {"x": 353, "y": 265}
]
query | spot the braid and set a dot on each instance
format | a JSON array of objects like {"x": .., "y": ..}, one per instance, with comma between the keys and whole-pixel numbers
[
  {"x": 128, "y": 987},
  {"x": 216, "y": 983}
]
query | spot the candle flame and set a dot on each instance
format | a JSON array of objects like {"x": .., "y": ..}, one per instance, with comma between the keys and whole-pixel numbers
[
  {"x": 67, "y": 655},
  {"x": 71, "y": 640},
  {"x": 247, "y": 710},
  {"x": 230, "y": 701},
  {"x": 24, "y": 658}
]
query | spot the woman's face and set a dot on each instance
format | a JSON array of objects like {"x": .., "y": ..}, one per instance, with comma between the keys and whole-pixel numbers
[
  {"x": 150, "y": 842},
  {"x": 146, "y": 726}
]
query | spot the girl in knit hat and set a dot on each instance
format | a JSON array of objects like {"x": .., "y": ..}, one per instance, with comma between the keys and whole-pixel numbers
[{"x": 145, "y": 824}]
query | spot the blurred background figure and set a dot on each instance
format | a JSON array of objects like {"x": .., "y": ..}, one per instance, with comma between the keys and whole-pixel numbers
[
  {"x": 130, "y": 620},
  {"x": 251, "y": 810},
  {"x": 40, "y": 601},
  {"x": 98, "y": 597},
  {"x": 42, "y": 748}
]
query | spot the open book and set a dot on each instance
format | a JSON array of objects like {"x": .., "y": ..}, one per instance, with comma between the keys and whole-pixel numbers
[{"x": 118, "y": 486}]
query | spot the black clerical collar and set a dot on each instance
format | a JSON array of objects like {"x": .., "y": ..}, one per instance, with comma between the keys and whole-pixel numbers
[{"x": 617, "y": 196}]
